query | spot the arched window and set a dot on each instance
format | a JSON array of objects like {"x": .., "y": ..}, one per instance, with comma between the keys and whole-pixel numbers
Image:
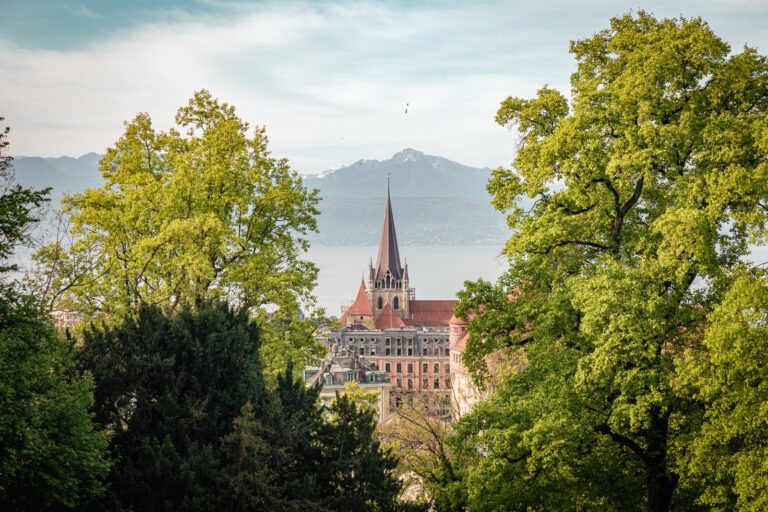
[
  {"x": 397, "y": 303},
  {"x": 380, "y": 303}
]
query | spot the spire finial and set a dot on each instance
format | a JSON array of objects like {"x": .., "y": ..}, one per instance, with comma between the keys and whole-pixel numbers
[{"x": 388, "y": 175}]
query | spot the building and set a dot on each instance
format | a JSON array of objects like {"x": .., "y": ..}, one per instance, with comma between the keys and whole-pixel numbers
[
  {"x": 336, "y": 373},
  {"x": 389, "y": 329},
  {"x": 500, "y": 364}
]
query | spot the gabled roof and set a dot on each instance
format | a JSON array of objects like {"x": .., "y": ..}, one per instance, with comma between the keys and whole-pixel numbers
[
  {"x": 432, "y": 311},
  {"x": 389, "y": 254},
  {"x": 388, "y": 319},
  {"x": 362, "y": 305}
]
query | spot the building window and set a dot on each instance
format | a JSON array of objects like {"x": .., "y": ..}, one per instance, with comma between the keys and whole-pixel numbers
[
  {"x": 386, "y": 351},
  {"x": 437, "y": 384},
  {"x": 447, "y": 367},
  {"x": 397, "y": 303},
  {"x": 388, "y": 367},
  {"x": 362, "y": 351},
  {"x": 373, "y": 350},
  {"x": 399, "y": 342},
  {"x": 399, "y": 367},
  {"x": 425, "y": 350},
  {"x": 424, "y": 383},
  {"x": 386, "y": 341},
  {"x": 380, "y": 303},
  {"x": 410, "y": 368},
  {"x": 425, "y": 367},
  {"x": 410, "y": 383},
  {"x": 410, "y": 341},
  {"x": 436, "y": 368},
  {"x": 410, "y": 351},
  {"x": 399, "y": 351},
  {"x": 399, "y": 383},
  {"x": 447, "y": 383}
]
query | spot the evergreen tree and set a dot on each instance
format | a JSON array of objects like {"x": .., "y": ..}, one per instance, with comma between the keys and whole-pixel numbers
[{"x": 169, "y": 388}]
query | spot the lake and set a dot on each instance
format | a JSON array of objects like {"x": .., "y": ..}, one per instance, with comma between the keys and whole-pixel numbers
[{"x": 435, "y": 271}]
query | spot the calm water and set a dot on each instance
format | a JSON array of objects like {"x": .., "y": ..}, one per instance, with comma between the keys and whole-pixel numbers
[{"x": 436, "y": 272}]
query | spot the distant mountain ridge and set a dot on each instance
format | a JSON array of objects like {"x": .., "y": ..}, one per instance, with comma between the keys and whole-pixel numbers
[
  {"x": 65, "y": 174},
  {"x": 413, "y": 174},
  {"x": 436, "y": 201}
]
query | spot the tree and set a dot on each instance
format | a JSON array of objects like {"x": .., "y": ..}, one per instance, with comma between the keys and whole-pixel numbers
[
  {"x": 649, "y": 185},
  {"x": 17, "y": 206},
  {"x": 50, "y": 454},
  {"x": 728, "y": 373},
  {"x": 169, "y": 389},
  {"x": 295, "y": 456},
  {"x": 356, "y": 472},
  {"x": 201, "y": 210},
  {"x": 419, "y": 433}
]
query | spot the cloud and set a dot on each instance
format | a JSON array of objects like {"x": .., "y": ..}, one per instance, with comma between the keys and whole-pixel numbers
[{"x": 329, "y": 80}]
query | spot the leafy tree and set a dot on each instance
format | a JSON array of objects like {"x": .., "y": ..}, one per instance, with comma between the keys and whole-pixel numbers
[
  {"x": 650, "y": 183},
  {"x": 419, "y": 434},
  {"x": 201, "y": 210},
  {"x": 169, "y": 388},
  {"x": 17, "y": 206},
  {"x": 50, "y": 454},
  {"x": 729, "y": 373}
]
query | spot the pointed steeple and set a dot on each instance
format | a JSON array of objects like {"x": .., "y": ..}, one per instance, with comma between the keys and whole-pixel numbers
[{"x": 389, "y": 255}]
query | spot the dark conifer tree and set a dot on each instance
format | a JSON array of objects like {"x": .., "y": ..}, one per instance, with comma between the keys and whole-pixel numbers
[{"x": 169, "y": 390}]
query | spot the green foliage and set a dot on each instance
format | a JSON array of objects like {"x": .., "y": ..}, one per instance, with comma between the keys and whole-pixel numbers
[
  {"x": 728, "y": 372},
  {"x": 17, "y": 206},
  {"x": 193, "y": 426},
  {"x": 356, "y": 471},
  {"x": 50, "y": 454},
  {"x": 168, "y": 389},
  {"x": 649, "y": 186},
  {"x": 419, "y": 434},
  {"x": 201, "y": 210}
]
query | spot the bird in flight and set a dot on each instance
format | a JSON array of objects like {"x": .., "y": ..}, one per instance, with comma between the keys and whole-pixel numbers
[{"x": 406, "y": 107}]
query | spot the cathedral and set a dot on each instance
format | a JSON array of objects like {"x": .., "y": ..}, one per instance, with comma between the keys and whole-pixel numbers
[
  {"x": 402, "y": 340},
  {"x": 387, "y": 301}
]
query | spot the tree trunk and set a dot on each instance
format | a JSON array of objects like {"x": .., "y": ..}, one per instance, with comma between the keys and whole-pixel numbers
[{"x": 660, "y": 484}]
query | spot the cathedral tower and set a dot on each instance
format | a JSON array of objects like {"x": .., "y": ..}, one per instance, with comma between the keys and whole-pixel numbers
[{"x": 388, "y": 281}]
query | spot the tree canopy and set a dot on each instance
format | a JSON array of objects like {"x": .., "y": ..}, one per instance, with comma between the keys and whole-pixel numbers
[
  {"x": 194, "y": 427},
  {"x": 199, "y": 210},
  {"x": 650, "y": 182}
]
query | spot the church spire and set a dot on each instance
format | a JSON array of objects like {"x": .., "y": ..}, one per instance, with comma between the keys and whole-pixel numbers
[{"x": 389, "y": 255}]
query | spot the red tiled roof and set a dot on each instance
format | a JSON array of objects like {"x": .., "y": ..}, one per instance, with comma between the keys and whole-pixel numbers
[
  {"x": 361, "y": 306},
  {"x": 432, "y": 311},
  {"x": 388, "y": 319}
]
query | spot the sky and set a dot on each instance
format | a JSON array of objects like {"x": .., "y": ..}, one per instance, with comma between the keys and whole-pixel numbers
[{"x": 329, "y": 80}]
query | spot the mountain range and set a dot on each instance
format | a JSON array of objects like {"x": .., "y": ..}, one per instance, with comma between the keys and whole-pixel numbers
[{"x": 436, "y": 201}]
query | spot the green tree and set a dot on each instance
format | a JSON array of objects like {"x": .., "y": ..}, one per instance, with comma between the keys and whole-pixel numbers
[
  {"x": 729, "y": 373},
  {"x": 649, "y": 185},
  {"x": 295, "y": 456},
  {"x": 168, "y": 390},
  {"x": 50, "y": 454},
  {"x": 201, "y": 210}
]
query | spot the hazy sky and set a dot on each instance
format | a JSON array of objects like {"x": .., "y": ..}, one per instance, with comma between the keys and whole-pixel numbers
[{"x": 329, "y": 80}]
